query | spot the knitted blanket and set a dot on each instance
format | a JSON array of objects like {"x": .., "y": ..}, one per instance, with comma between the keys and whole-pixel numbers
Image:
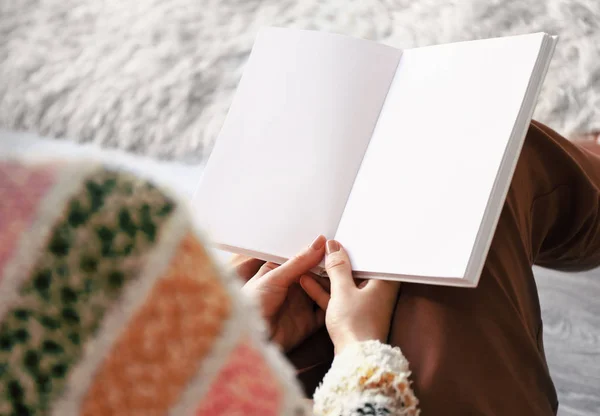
[{"x": 111, "y": 305}]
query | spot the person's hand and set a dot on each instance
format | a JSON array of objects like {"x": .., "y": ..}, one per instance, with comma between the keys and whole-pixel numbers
[
  {"x": 289, "y": 312},
  {"x": 354, "y": 312}
]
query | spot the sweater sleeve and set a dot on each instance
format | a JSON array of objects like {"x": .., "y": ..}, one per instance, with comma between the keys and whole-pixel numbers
[{"x": 367, "y": 378}]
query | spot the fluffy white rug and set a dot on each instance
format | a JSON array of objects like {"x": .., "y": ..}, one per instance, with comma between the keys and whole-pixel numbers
[{"x": 157, "y": 76}]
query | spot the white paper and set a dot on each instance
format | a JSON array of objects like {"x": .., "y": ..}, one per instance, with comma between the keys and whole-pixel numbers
[
  {"x": 295, "y": 135},
  {"x": 420, "y": 195}
]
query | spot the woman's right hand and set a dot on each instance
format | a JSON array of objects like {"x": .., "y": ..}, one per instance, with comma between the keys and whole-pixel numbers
[{"x": 354, "y": 313}]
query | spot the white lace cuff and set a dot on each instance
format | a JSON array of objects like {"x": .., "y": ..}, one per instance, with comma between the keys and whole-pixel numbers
[{"x": 367, "y": 378}]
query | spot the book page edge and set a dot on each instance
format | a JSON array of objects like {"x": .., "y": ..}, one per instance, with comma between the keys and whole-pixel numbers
[{"x": 508, "y": 165}]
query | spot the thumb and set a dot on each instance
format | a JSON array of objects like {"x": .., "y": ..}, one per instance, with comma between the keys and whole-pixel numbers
[
  {"x": 339, "y": 269},
  {"x": 384, "y": 288}
]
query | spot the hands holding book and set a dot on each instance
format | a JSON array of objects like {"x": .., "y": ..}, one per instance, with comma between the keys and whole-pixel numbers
[
  {"x": 288, "y": 311},
  {"x": 352, "y": 310}
]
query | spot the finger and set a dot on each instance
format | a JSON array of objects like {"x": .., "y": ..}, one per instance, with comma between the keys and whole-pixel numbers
[
  {"x": 266, "y": 268},
  {"x": 315, "y": 291},
  {"x": 244, "y": 266},
  {"x": 323, "y": 281},
  {"x": 339, "y": 270},
  {"x": 302, "y": 263},
  {"x": 320, "y": 317},
  {"x": 384, "y": 287}
]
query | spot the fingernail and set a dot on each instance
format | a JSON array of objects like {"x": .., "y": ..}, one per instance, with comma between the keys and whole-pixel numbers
[
  {"x": 332, "y": 246},
  {"x": 318, "y": 243}
]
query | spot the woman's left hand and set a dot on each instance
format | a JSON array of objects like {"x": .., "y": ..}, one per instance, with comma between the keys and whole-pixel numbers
[{"x": 289, "y": 311}]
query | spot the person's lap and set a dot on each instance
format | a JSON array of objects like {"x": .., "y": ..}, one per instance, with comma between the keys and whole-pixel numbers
[{"x": 480, "y": 351}]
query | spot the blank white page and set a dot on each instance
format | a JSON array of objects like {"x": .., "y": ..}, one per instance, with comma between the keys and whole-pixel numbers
[
  {"x": 421, "y": 193},
  {"x": 292, "y": 143}
]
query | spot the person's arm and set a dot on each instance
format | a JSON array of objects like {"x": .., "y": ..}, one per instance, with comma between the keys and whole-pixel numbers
[{"x": 367, "y": 377}]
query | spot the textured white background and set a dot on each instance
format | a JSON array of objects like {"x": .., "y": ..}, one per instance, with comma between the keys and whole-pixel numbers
[{"x": 157, "y": 76}]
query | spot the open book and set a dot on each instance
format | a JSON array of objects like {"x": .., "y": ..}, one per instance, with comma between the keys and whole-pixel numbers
[{"x": 404, "y": 156}]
